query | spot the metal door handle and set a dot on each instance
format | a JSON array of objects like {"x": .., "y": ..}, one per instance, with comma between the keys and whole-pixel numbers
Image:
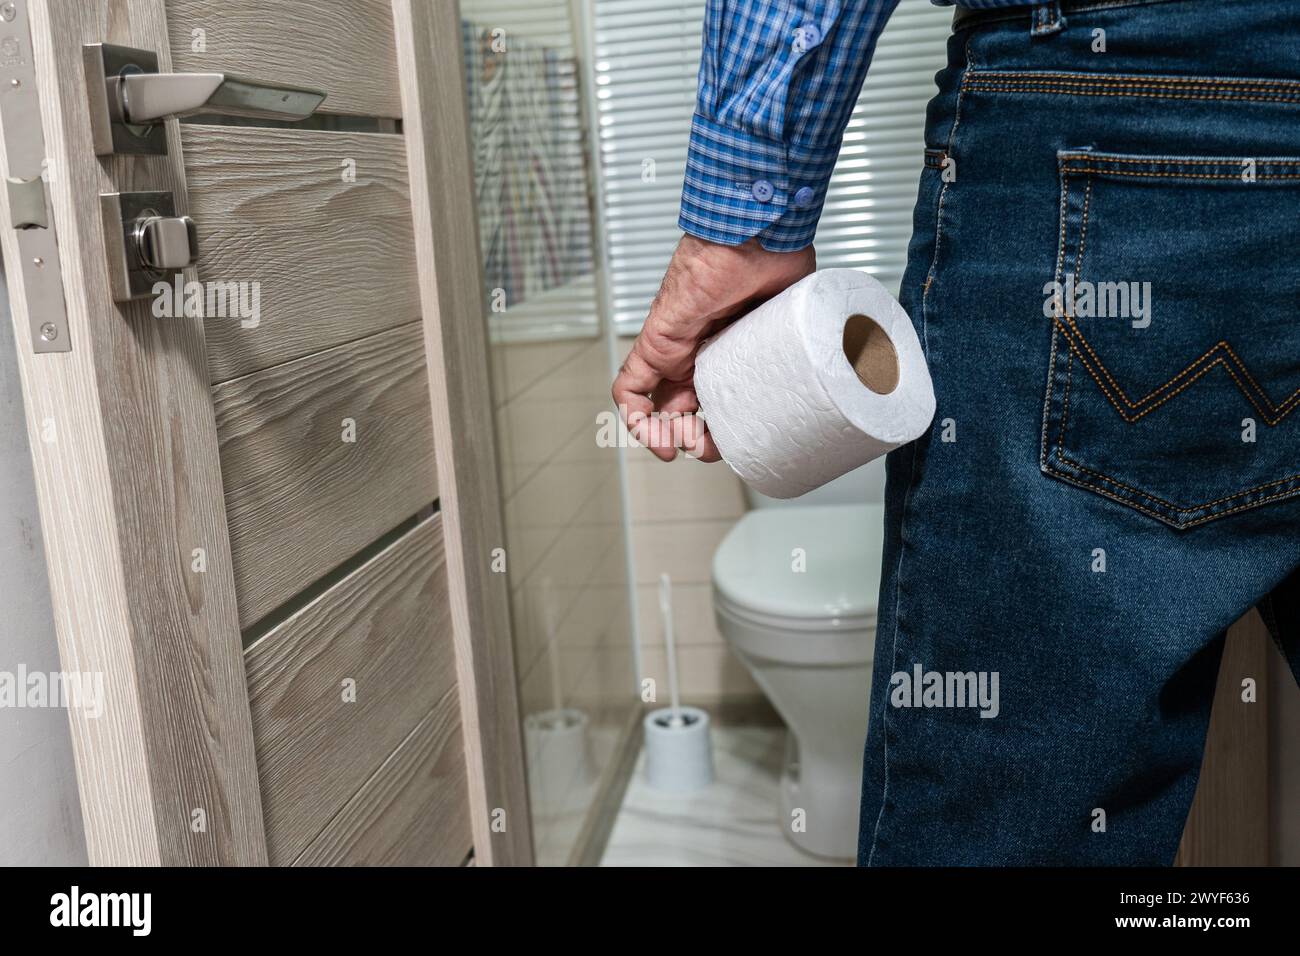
[
  {"x": 129, "y": 98},
  {"x": 144, "y": 98}
]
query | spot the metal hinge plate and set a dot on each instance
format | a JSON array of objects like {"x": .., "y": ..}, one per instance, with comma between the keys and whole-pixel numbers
[{"x": 30, "y": 215}]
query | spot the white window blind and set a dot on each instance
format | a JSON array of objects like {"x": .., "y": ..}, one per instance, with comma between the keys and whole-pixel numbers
[{"x": 646, "y": 59}]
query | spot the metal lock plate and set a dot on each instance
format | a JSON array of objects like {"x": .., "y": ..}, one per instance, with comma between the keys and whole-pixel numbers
[
  {"x": 104, "y": 61},
  {"x": 147, "y": 242},
  {"x": 28, "y": 193}
]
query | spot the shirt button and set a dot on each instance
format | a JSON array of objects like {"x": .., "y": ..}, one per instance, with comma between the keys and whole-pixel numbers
[
  {"x": 804, "y": 197},
  {"x": 763, "y": 191},
  {"x": 806, "y": 37}
]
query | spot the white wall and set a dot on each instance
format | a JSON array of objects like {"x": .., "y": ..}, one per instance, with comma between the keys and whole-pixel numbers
[{"x": 40, "y": 817}]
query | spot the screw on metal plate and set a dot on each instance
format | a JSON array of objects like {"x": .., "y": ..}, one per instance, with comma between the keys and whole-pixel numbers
[{"x": 26, "y": 192}]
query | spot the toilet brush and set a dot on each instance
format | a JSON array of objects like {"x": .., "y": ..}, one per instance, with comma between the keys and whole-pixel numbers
[
  {"x": 679, "y": 754},
  {"x": 675, "y": 718}
]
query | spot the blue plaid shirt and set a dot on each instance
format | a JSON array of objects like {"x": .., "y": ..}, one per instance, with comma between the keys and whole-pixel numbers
[{"x": 778, "y": 80}]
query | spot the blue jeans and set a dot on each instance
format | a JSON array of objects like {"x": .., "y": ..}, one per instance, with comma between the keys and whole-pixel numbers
[{"x": 1104, "y": 276}]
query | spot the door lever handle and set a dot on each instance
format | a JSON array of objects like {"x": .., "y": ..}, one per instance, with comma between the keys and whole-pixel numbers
[
  {"x": 142, "y": 99},
  {"x": 129, "y": 99}
]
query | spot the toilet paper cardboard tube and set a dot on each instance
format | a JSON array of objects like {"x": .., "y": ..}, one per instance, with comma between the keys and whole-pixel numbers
[{"x": 872, "y": 355}]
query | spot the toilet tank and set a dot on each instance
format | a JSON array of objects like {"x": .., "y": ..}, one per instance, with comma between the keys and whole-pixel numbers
[{"x": 865, "y": 485}]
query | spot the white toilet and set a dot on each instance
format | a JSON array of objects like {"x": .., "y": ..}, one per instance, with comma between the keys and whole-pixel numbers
[{"x": 808, "y": 638}]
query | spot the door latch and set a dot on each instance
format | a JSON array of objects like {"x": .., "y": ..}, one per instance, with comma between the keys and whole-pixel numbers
[
  {"x": 147, "y": 242},
  {"x": 129, "y": 98},
  {"x": 27, "y": 191}
]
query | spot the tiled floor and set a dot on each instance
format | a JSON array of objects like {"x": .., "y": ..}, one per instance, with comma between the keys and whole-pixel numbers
[{"x": 737, "y": 821}]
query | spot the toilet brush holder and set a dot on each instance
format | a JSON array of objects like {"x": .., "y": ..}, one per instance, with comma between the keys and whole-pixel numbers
[
  {"x": 558, "y": 760},
  {"x": 678, "y": 749}
]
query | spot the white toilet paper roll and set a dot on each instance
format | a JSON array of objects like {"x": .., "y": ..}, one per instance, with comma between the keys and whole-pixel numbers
[{"x": 824, "y": 377}]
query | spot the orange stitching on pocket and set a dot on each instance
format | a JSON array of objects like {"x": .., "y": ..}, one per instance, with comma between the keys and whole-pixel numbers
[
  {"x": 1065, "y": 404},
  {"x": 1273, "y": 415},
  {"x": 1105, "y": 493},
  {"x": 1065, "y": 194},
  {"x": 1083, "y": 232},
  {"x": 1134, "y": 79},
  {"x": 1174, "y": 160},
  {"x": 986, "y": 88},
  {"x": 1174, "y": 506},
  {"x": 1154, "y": 175}
]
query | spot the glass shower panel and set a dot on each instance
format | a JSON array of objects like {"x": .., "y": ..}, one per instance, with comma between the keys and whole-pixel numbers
[{"x": 550, "y": 368}]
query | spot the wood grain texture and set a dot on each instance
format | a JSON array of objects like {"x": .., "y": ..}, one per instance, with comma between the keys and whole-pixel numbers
[
  {"x": 126, "y": 460},
  {"x": 387, "y": 628},
  {"x": 1228, "y": 824},
  {"x": 299, "y": 498},
  {"x": 431, "y": 73},
  {"x": 333, "y": 258},
  {"x": 350, "y": 44},
  {"x": 414, "y": 811}
]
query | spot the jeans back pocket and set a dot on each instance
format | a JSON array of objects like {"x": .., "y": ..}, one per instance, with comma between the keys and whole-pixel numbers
[{"x": 1174, "y": 376}]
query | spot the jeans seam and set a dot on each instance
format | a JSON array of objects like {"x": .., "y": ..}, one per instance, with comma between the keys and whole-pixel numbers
[
  {"x": 1084, "y": 78},
  {"x": 981, "y": 88},
  {"x": 1155, "y": 175},
  {"x": 1135, "y": 86},
  {"x": 1050, "y": 391},
  {"x": 911, "y": 478},
  {"x": 1108, "y": 4},
  {"x": 1179, "y": 523},
  {"x": 1171, "y": 505},
  {"x": 1067, "y": 158}
]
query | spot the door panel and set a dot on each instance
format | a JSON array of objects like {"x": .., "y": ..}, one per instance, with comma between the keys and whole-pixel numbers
[
  {"x": 386, "y": 629},
  {"x": 333, "y": 256},
  {"x": 300, "y": 499},
  {"x": 179, "y": 513},
  {"x": 410, "y": 812},
  {"x": 345, "y": 49}
]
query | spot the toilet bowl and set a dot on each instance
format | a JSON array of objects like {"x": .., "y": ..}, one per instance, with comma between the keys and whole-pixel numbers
[{"x": 794, "y": 592}]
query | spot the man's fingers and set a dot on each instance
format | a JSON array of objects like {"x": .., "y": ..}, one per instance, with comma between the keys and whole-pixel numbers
[
  {"x": 634, "y": 383},
  {"x": 696, "y": 440},
  {"x": 631, "y": 393}
]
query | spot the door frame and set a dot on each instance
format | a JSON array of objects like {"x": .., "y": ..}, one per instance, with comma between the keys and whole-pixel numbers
[{"x": 440, "y": 166}]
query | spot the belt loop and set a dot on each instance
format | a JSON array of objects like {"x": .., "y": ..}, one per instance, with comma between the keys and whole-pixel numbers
[{"x": 1047, "y": 19}]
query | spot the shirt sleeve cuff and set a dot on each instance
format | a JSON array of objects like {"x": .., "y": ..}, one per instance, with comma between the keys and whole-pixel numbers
[{"x": 739, "y": 185}]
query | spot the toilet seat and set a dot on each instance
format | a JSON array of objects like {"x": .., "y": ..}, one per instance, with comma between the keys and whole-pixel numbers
[
  {"x": 825, "y": 614},
  {"x": 753, "y": 568},
  {"x": 812, "y": 642}
]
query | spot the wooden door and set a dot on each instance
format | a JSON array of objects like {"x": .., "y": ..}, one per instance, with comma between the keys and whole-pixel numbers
[{"x": 272, "y": 533}]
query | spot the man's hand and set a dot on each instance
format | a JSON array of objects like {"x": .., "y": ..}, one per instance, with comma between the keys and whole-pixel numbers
[{"x": 706, "y": 287}]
